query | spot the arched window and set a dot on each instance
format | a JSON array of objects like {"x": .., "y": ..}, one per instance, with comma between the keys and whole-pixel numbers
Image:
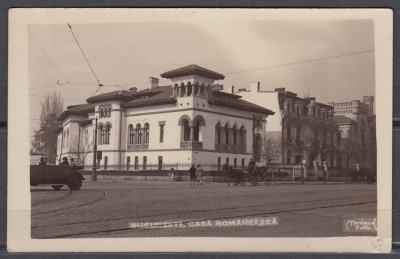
[
  {"x": 183, "y": 90},
  {"x": 109, "y": 110},
  {"x": 131, "y": 133},
  {"x": 189, "y": 89},
  {"x": 227, "y": 133},
  {"x": 107, "y": 134},
  {"x": 242, "y": 135},
  {"x": 101, "y": 134},
  {"x": 138, "y": 132},
  {"x": 218, "y": 133},
  {"x": 185, "y": 130},
  {"x": 146, "y": 132},
  {"x": 234, "y": 135},
  {"x": 101, "y": 112},
  {"x": 196, "y": 131}
]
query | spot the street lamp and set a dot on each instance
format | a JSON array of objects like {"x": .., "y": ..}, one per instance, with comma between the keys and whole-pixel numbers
[{"x": 94, "y": 175}]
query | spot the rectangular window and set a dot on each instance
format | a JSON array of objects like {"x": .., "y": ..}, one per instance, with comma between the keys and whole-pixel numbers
[
  {"x": 136, "y": 163},
  {"x": 242, "y": 163},
  {"x": 161, "y": 133},
  {"x": 234, "y": 162},
  {"x": 144, "y": 162},
  {"x": 128, "y": 162},
  {"x": 227, "y": 161},
  {"x": 160, "y": 162},
  {"x": 162, "y": 127},
  {"x": 219, "y": 163},
  {"x": 105, "y": 162}
]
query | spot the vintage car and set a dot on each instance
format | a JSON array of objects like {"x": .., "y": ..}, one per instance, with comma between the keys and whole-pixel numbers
[{"x": 57, "y": 176}]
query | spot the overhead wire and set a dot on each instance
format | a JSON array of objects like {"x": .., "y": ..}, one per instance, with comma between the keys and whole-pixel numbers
[
  {"x": 47, "y": 56},
  {"x": 301, "y": 62},
  {"x": 83, "y": 53}
]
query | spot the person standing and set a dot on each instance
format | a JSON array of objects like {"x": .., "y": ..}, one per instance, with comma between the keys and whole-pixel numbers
[
  {"x": 192, "y": 173},
  {"x": 199, "y": 175},
  {"x": 64, "y": 161}
]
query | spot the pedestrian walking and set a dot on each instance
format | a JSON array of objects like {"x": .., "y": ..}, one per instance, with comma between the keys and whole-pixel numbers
[
  {"x": 192, "y": 173},
  {"x": 172, "y": 173},
  {"x": 199, "y": 175}
]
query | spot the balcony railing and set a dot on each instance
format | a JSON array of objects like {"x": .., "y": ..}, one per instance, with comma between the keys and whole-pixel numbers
[
  {"x": 226, "y": 148},
  {"x": 194, "y": 145},
  {"x": 140, "y": 146}
]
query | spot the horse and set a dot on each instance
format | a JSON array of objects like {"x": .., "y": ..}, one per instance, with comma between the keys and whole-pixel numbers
[{"x": 236, "y": 176}]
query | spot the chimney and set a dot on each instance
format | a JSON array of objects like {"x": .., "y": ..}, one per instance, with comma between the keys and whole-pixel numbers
[
  {"x": 255, "y": 86},
  {"x": 133, "y": 89},
  {"x": 233, "y": 89},
  {"x": 280, "y": 90},
  {"x": 217, "y": 87},
  {"x": 153, "y": 82}
]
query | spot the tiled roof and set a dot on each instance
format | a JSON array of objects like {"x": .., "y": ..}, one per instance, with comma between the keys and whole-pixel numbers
[
  {"x": 82, "y": 109},
  {"x": 343, "y": 119},
  {"x": 155, "y": 96},
  {"x": 158, "y": 96},
  {"x": 123, "y": 95},
  {"x": 193, "y": 70},
  {"x": 234, "y": 102}
]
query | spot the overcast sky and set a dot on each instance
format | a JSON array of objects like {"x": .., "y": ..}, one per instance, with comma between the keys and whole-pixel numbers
[{"x": 127, "y": 54}]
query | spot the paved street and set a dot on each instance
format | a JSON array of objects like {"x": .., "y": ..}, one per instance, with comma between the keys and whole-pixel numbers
[{"x": 106, "y": 208}]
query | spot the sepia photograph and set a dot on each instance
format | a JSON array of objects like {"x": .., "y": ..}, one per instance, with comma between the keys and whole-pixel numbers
[{"x": 190, "y": 123}]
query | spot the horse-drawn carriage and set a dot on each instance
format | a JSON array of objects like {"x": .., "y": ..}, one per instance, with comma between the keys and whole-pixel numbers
[
  {"x": 362, "y": 177},
  {"x": 252, "y": 176}
]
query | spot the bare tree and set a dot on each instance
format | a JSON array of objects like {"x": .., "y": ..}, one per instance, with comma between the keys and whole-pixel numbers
[
  {"x": 81, "y": 145},
  {"x": 350, "y": 149},
  {"x": 271, "y": 149},
  {"x": 301, "y": 140},
  {"x": 51, "y": 107}
]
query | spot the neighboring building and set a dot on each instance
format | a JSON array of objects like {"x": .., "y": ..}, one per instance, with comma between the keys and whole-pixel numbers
[
  {"x": 189, "y": 121},
  {"x": 356, "y": 121},
  {"x": 305, "y": 128}
]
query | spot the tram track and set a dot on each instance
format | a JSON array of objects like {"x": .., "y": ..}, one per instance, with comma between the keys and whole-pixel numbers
[
  {"x": 104, "y": 196},
  {"x": 37, "y": 204},
  {"x": 242, "y": 215}
]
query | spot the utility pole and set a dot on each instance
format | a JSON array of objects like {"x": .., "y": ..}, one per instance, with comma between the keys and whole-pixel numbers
[{"x": 94, "y": 175}]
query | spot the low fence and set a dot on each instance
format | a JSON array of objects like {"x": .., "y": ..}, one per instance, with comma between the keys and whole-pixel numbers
[
  {"x": 151, "y": 167},
  {"x": 212, "y": 173}
]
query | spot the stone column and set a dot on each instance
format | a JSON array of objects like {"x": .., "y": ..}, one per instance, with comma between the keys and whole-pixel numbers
[
  {"x": 186, "y": 89},
  {"x": 191, "y": 132},
  {"x": 179, "y": 91}
]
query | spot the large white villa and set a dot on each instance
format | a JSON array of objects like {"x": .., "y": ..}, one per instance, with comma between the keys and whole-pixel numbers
[{"x": 189, "y": 121}]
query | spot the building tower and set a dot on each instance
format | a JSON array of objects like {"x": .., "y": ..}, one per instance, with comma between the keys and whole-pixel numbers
[{"x": 369, "y": 100}]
